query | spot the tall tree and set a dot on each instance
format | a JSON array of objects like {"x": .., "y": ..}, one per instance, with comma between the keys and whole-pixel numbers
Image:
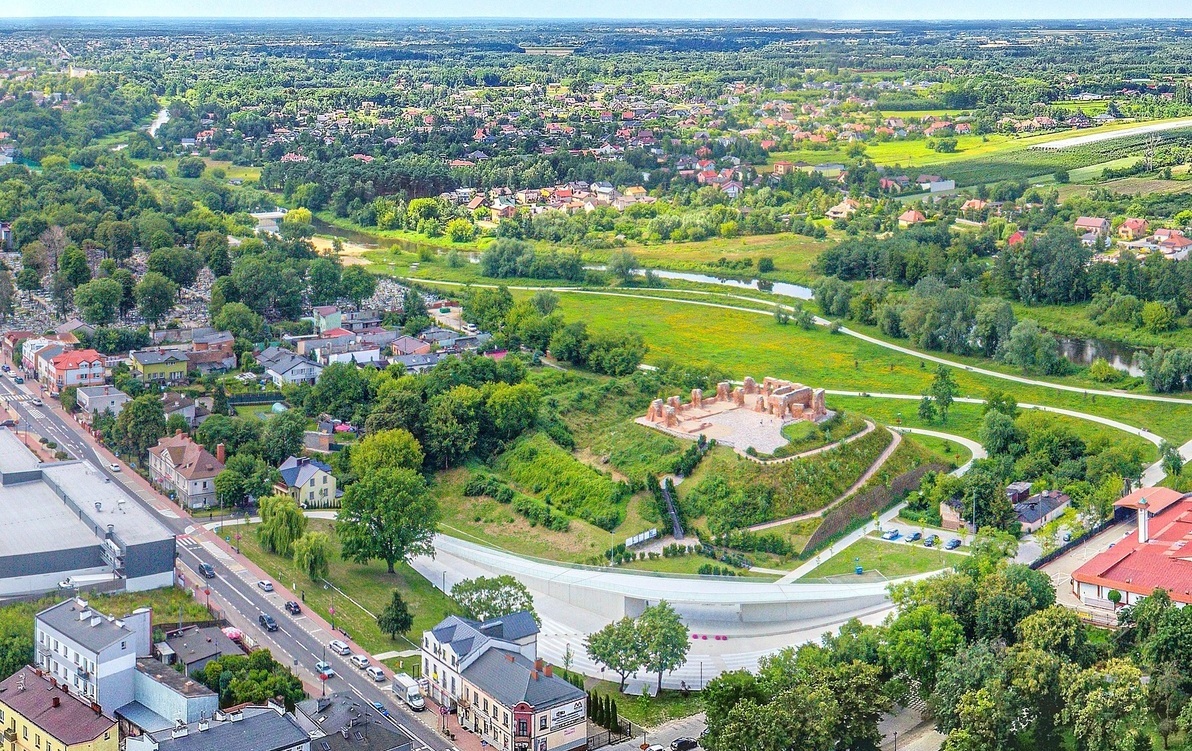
[
  {"x": 488, "y": 597},
  {"x": 943, "y": 389},
  {"x": 312, "y": 554},
  {"x": 99, "y": 300},
  {"x": 8, "y": 294},
  {"x": 387, "y": 515},
  {"x": 155, "y": 296},
  {"x": 386, "y": 449},
  {"x": 282, "y": 523},
  {"x": 395, "y": 618},
  {"x": 665, "y": 639},
  {"x": 357, "y": 284},
  {"x": 140, "y": 424},
  {"x": 619, "y": 647},
  {"x": 282, "y": 436}
]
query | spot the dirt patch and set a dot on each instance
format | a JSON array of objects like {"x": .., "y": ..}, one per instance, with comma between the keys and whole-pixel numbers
[{"x": 597, "y": 463}]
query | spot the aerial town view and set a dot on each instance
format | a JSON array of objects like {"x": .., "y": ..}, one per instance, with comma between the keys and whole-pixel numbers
[{"x": 384, "y": 377}]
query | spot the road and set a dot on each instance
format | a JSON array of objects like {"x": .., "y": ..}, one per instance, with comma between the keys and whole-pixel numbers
[{"x": 298, "y": 640}]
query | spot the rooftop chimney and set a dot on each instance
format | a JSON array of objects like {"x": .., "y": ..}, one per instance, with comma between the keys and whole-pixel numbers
[
  {"x": 548, "y": 671},
  {"x": 221, "y": 453},
  {"x": 538, "y": 664},
  {"x": 57, "y": 702},
  {"x": 1143, "y": 520}
]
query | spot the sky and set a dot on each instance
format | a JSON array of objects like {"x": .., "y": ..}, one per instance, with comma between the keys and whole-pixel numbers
[{"x": 627, "y": 9}]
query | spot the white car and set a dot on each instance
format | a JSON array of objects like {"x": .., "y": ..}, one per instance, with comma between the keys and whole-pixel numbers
[
  {"x": 324, "y": 669},
  {"x": 114, "y": 467},
  {"x": 375, "y": 673},
  {"x": 37, "y": 402},
  {"x": 360, "y": 661},
  {"x": 265, "y": 586},
  {"x": 339, "y": 647}
]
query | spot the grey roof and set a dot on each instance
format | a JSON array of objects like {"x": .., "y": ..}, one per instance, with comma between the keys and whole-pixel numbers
[
  {"x": 65, "y": 619},
  {"x": 192, "y": 645},
  {"x": 167, "y": 676},
  {"x": 296, "y": 471},
  {"x": 14, "y": 457},
  {"x": 418, "y": 361},
  {"x": 344, "y": 711},
  {"x": 90, "y": 391},
  {"x": 144, "y": 717},
  {"x": 1039, "y": 505},
  {"x": 34, "y": 520},
  {"x": 465, "y": 635},
  {"x": 510, "y": 678},
  {"x": 282, "y": 360},
  {"x": 259, "y": 729},
  {"x": 132, "y": 523},
  {"x": 156, "y": 356}
]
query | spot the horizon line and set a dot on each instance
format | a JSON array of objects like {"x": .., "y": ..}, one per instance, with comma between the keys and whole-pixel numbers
[{"x": 474, "y": 17}]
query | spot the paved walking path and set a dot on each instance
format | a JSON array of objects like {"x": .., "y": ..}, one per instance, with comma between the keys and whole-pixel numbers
[{"x": 869, "y": 473}]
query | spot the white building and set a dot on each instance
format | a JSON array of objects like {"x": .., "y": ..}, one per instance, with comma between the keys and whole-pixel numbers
[
  {"x": 95, "y": 400},
  {"x": 284, "y": 367},
  {"x": 94, "y": 654},
  {"x": 456, "y": 642}
]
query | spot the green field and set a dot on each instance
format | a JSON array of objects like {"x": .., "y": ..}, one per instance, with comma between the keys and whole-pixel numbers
[
  {"x": 371, "y": 586},
  {"x": 889, "y": 559}
]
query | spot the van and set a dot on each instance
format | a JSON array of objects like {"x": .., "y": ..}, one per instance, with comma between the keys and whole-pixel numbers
[
  {"x": 406, "y": 689},
  {"x": 339, "y": 647}
]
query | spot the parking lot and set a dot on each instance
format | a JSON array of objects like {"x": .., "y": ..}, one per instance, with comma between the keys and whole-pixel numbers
[{"x": 1060, "y": 570}]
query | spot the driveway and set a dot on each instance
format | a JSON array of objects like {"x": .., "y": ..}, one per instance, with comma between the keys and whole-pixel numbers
[{"x": 1060, "y": 570}]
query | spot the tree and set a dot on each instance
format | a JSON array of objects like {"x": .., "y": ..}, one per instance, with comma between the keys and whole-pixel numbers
[
  {"x": 324, "y": 279},
  {"x": 545, "y": 301},
  {"x": 298, "y": 217},
  {"x": 395, "y": 618},
  {"x": 623, "y": 265},
  {"x": 1033, "y": 349},
  {"x": 179, "y": 265},
  {"x": 619, "y": 647},
  {"x": 238, "y": 319},
  {"x": 128, "y": 288},
  {"x": 62, "y": 293},
  {"x": 664, "y": 638},
  {"x": 943, "y": 390},
  {"x": 99, "y": 301},
  {"x": 724, "y": 692},
  {"x": 388, "y": 515},
  {"x": 213, "y": 247},
  {"x": 282, "y": 523},
  {"x": 282, "y": 436},
  {"x": 918, "y": 642},
  {"x": 1103, "y": 705},
  {"x": 340, "y": 391},
  {"x": 231, "y": 488},
  {"x": 155, "y": 296},
  {"x": 140, "y": 424},
  {"x": 191, "y": 167},
  {"x": 68, "y": 397},
  {"x": 1007, "y": 596},
  {"x": 926, "y": 409},
  {"x": 798, "y": 719},
  {"x": 357, "y": 284},
  {"x": 177, "y": 423},
  {"x": 487, "y": 597},
  {"x": 452, "y": 425},
  {"x": 1173, "y": 462},
  {"x": 7, "y": 294},
  {"x": 312, "y": 554},
  {"x": 1059, "y": 631},
  {"x": 999, "y": 435},
  {"x": 511, "y": 410},
  {"x": 387, "y": 449},
  {"x": 72, "y": 265}
]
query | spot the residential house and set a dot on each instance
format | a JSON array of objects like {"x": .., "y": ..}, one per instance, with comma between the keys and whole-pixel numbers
[
  {"x": 455, "y": 642},
  {"x": 1092, "y": 224},
  {"x": 409, "y": 345},
  {"x": 93, "y": 653},
  {"x": 164, "y": 696},
  {"x": 343, "y": 721},
  {"x": 326, "y": 317},
  {"x": 159, "y": 365},
  {"x": 193, "y": 647},
  {"x": 1175, "y": 247},
  {"x": 74, "y": 326},
  {"x": 1137, "y": 565},
  {"x": 39, "y": 713},
  {"x": 80, "y": 367},
  {"x": 284, "y": 367},
  {"x": 174, "y": 403},
  {"x": 35, "y": 349},
  {"x": 1017, "y": 238},
  {"x": 1133, "y": 229},
  {"x": 206, "y": 362},
  {"x": 1040, "y": 508},
  {"x": 10, "y": 346},
  {"x": 514, "y": 703},
  {"x": 95, "y": 400},
  {"x": 309, "y": 482},
  {"x": 248, "y": 728},
  {"x": 843, "y": 210},
  {"x": 180, "y": 465},
  {"x": 910, "y": 217},
  {"x": 418, "y": 363}
]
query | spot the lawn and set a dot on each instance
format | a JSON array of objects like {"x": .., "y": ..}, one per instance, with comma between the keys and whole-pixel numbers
[
  {"x": 743, "y": 343},
  {"x": 370, "y": 585},
  {"x": 687, "y": 564},
  {"x": 890, "y": 559},
  {"x": 649, "y": 712}
]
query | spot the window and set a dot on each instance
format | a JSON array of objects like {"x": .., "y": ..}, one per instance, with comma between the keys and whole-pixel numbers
[
  {"x": 523, "y": 727},
  {"x": 25, "y": 732},
  {"x": 123, "y": 646},
  {"x": 486, "y": 704},
  {"x": 542, "y": 722},
  {"x": 505, "y": 719},
  {"x": 37, "y": 740}
]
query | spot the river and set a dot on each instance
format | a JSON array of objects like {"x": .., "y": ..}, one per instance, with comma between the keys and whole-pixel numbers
[
  {"x": 369, "y": 241},
  {"x": 163, "y": 117},
  {"x": 1085, "y": 351}
]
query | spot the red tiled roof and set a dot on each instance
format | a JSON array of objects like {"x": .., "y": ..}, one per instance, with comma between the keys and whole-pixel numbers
[
  {"x": 75, "y": 358},
  {"x": 71, "y": 722},
  {"x": 1164, "y": 561}
]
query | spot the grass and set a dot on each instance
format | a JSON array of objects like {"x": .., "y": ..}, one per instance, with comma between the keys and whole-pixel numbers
[
  {"x": 942, "y": 450},
  {"x": 742, "y": 343},
  {"x": 370, "y": 585},
  {"x": 687, "y": 564},
  {"x": 650, "y": 712},
  {"x": 487, "y": 521},
  {"x": 890, "y": 559}
]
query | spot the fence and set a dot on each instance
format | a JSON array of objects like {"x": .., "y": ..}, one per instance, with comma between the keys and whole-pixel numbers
[
  {"x": 860, "y": 508},
  {"x": 601, "y": 737},
  {"x": 1042, "y": 561},
  {"x": 259, "y": 397}
]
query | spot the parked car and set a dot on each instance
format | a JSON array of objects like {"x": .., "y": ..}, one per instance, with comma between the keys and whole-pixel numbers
[
  {"x": 267, "y": 622},
  {"x": 339, "y": 647},
  {"x": 1067, "y": 537},
  {"x": 292, "y": 608},
  {"x": 114, "y": 467},
  {"x": 914, "y": 537},
  {"x": 265, "y": 586},
  {"x": 8, "y": 424},
  {"x": 929, "y": 542},
  {"x": 379, "y": 706},
  {"x": 891, "y": 534},
  {"x": 684, "y": 744},
  {"x": 375, "y": 673},
  {"x": 324, "y": 670},
  {"x": 18, "y": 379},
  {"x": 6, "y": 368},
  {"x": 360, "y": 661},
  {"x": 207, "y": 570},
  {"x": 952, "y": 544}
]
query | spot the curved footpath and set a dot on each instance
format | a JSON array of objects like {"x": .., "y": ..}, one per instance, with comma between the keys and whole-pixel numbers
[{"x": 771, "y": 305}]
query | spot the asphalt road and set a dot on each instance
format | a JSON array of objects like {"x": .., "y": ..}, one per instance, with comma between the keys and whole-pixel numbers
[{"x": 298, "y": 639}]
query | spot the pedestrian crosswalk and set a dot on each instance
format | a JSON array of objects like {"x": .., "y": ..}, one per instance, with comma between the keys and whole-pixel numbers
[
  {"x": 188, "y": 542},
  {"x": 19, "y": 397}
]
